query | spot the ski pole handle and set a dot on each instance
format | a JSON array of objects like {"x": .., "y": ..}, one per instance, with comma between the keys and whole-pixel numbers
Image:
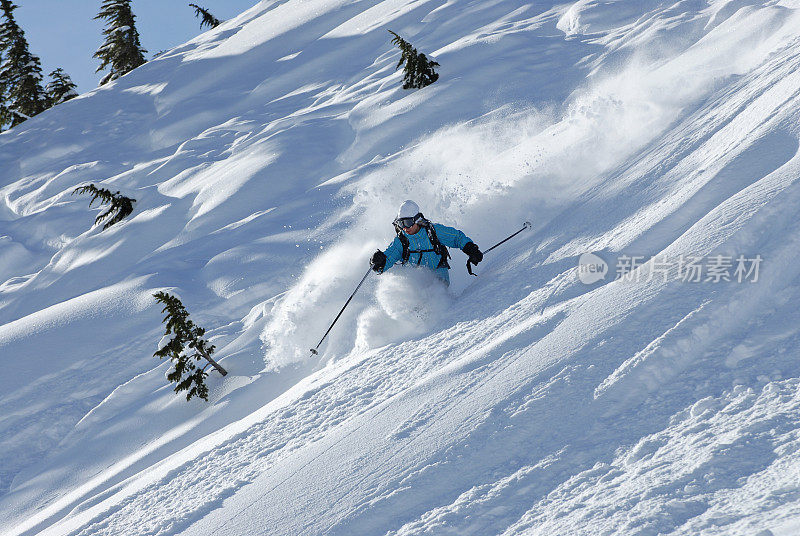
[
  {"x": 314, "y": 350},
  {"x": 527, "y": 225}
]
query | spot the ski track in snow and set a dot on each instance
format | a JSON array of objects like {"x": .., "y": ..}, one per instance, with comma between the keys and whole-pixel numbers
[{"x": 266, "y": 157}]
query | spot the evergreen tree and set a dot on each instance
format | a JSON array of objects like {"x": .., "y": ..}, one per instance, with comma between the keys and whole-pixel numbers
[
  {"x": 121, "y": 51},
  {"x": 21, "y": 92},
  {"x": 5, "y": 118},
  {"x": 208, "y": 19},
  {"x": 185, "y": 334},
  {"x": 61, "y": 88},
  {"x": 121, "y": 206},
  {"x": 418, "y": 71}
]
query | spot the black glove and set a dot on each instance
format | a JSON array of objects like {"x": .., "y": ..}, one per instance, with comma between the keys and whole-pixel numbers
[
  {"x": 475, "y": 255},
  {"x": 378, "y": 261}
]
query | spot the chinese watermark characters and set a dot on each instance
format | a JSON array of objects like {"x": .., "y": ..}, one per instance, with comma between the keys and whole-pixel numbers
[{"x": 685, "y": 268}]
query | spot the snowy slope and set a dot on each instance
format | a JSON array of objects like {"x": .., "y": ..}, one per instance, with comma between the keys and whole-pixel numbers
[{"x": 267, "y": 157}]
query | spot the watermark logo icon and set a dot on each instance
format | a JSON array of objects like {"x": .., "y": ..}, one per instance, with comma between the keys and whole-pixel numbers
[{"x": 591, "y": 268}]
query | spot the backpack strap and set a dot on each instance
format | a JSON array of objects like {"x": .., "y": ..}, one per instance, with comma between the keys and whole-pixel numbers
[
  {"x": 404, "y": 241},
  {"x": 438, "y": 248}
]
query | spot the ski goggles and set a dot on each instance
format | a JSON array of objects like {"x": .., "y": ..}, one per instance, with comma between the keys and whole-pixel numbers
[{"x": 405, "y": 223}]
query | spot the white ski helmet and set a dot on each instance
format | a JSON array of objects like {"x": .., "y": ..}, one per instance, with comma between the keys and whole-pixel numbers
[{"x": 408, "y": 209}]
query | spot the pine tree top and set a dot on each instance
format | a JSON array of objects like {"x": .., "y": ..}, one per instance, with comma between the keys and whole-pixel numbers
[
  {"x": 208, "y": 19},
  {"x": 177, "y": 323},
  {"x": 405, "y": 47},
  {"x": 121, "y": 50},
  {"x": 8, "y": 8},
  {"x": 21, "y": 92},
  {"x": 103, "y": 194},
  {"x": 61, "y": 88},
  {"x": 418, "y": 71}
]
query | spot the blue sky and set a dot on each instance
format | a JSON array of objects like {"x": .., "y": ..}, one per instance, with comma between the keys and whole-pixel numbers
[{"x": 63, "y": 33}]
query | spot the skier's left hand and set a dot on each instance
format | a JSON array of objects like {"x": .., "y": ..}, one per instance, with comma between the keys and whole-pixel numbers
[{"x": 475, "y": 255}]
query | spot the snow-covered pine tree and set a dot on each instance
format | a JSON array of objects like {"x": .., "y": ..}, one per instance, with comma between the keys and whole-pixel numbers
[
  {"x": 21, "y": 92},
  {"x": 61, "y": 87},
  {"x": 121, "y": 206},
  {"x": 185, "y": 334},
  {"x": 121, "y": 51},
  {"x": 208, "y": 19},
  {"x": 418, "y": 71}
]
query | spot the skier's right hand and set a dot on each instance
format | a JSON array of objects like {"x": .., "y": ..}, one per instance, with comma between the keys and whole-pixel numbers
[{"x": 378, "y": 261}]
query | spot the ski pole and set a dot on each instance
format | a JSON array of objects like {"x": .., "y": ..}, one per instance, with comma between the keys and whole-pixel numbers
[
  {"x": 314, "y": 350},
  {"x": 526, "y": 226}
]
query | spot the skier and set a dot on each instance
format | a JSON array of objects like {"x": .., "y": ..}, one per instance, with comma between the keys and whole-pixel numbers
[{"x": 427, "y": 248}]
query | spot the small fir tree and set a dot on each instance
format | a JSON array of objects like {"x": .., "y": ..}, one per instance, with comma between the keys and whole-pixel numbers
[
  {"x": 185, "y": 334},
  {"x": 21, "y": 92},
  {"x": 61, "y": 87},
  {"x": 121, "y": 206},
  {"x": 121, "y": 52},
  {"x": 418, "y": 71},
  {"x": 208, "y": 19}
]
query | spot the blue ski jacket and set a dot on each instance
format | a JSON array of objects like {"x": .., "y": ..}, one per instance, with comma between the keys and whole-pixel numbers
[{"x": 448, "y": 236}]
